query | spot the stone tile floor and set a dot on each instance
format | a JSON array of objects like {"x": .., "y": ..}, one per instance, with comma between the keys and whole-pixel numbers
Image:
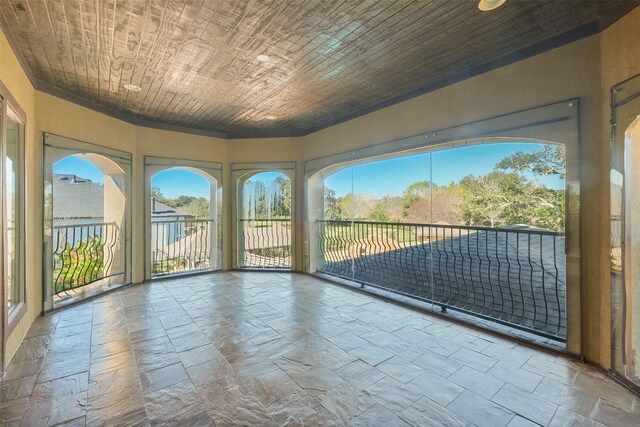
[{"x": 284, "y": 349}]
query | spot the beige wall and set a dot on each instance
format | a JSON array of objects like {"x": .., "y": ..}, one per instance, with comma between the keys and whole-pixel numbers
[
  {"x": 584, "y": 69},
  {"x": 14, "y": 78}
]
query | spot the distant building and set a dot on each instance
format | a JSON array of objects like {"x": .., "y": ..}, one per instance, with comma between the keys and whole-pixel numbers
[
  {"x": 77, "y": 200},
  {"x": 162, "y": 212},
  {"x": 167, "y": 225}
]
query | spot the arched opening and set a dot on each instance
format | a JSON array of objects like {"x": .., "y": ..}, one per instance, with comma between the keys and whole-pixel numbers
[
  {"x": 264, "y": 220},
  {"x": 625, "y": 233},
  {"x": 183, "y": 206},
  {"x": 474, "y": 228},
  {"x": 86, "y": 204}
]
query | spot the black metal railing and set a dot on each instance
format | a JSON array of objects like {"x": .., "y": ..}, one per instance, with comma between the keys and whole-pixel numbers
[
  {"x": 265, "y": 243},
  {"x": 181, "y": 246},
  {"x": 513, "y": 276},
  {"x": 83, "y": 254}
]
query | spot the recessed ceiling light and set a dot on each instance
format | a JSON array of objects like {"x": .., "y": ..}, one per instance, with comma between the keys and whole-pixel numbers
[
  {"x": 133, "y": 88},
  {"x": 486, "y": 5},
  {"x": 263, "y": 58}
]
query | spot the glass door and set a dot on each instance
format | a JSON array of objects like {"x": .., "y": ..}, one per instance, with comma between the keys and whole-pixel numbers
[{"x": 625, "y": 230}]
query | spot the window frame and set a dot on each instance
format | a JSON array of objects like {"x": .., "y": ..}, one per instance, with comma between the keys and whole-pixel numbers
[
  {"x": 242, "y": 172},
  {"x": 156, "y": 164},
  {"x": 556, "y": 123},
  {"x": 61, "y": 147},
  {"x": 9, "y": 108}
]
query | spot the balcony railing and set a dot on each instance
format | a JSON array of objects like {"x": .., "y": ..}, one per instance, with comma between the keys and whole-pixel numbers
[
  {"x": 265, "y": 243},
  {"x": 83, "y": 254},
  {"x": 513, "y": 276},
  {"x": 181, "y": 246}
]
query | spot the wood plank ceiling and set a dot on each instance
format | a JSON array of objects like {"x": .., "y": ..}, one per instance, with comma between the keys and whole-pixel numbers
[{"x": 331, "y": 60}]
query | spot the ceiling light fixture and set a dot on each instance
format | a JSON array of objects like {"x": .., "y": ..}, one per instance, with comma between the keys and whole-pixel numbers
[
  {"x": 132, "y": 88},
  {"x": 263, "y": 58},
  {"x": 487, "y": 5}
]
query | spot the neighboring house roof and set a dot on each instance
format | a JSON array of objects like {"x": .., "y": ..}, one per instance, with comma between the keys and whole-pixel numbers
[
  {"x": 274, "y": 236},
  {"x": 76, "y": 197},
  {"x": 196, "y": 246},
  {"x": 161, "y": 210}
]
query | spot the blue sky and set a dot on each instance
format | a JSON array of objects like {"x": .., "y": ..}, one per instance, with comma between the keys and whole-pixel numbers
[
  {"x": 172, "y": 182},
  {"x": 393, "y": 176},
  {"x": 266, "y": 177},
  {"x": 180, "y": 182},
  {"x": 385, "y": 177},
  {"x": 75, "y": 166}
]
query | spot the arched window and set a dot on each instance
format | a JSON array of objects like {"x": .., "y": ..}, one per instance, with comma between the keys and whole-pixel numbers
[
  {"x": 474, "y": 227},
  {"x": 264, "y": 209},
  {"x": 87, "y": 210},
  {"x": 183, "y": 216},
  {"x": 181, "y": 223},
  {"x": 625, "y": 230}
]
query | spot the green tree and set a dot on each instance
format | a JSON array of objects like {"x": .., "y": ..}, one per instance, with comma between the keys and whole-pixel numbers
[
  {"x": 358, "y": 206},
  {"x": 379, "y": 213},
  {"x": 79, "y": 263},
  {"x": 264, "y": 202},
  {"x": 550, "y": 160},
  {"x": 387, "y": 209},
  {"x": 198, "y": 207},
  {"x": 486, "y": 200},
  {"x": 282, "y": 200},
  {"x": 332, "y": 210},
  {"x": 415, "y": 193},
  {"x": 255, "y": 199},
  {"x": 501, "y": 198},
  {"x": 546, "y": 206},
  {"x": 182, "y": 201},
  {"x": 157, "y": 194}
]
